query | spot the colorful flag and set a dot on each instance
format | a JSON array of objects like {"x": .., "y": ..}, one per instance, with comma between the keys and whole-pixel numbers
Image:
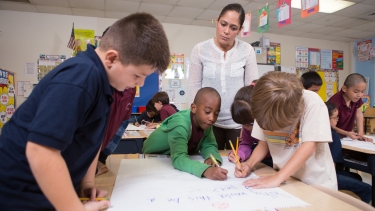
[
  {"x": 71, "y": 43},
  {"x": 284, "y": 13},
  {"x": 263, "y": 19}
]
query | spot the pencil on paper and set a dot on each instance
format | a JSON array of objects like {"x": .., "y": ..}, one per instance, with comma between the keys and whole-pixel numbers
[
  {"x": 235, "y": 154},
  {"x": 214, "y": 160},
  {"x": 96, "y": 199}
]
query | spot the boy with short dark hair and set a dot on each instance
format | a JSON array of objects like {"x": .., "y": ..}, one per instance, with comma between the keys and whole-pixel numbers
[
  {"x": 150, "y": 115},
  {"x": 349, "y": 101},
  {"x": 54, "y": 137},
  {"x": 161, "y": 103},
  {"x": 293, "y": 125},
  {"x": 189, "y": 132},
  {"x": 311, "y": 81}
]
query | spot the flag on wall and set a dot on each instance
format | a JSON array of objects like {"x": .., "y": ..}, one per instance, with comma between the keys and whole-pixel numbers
[{"x": 71, "y": 43}]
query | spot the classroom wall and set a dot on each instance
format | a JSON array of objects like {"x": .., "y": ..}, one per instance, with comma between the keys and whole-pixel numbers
[
  {"x": 26, "y": 35},
  {"x": 367, "y": 69}
]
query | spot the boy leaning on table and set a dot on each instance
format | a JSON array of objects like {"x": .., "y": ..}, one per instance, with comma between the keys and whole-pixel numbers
[
  {"x": 49, "y": 148},
  {"x": 189, "y": 132}
]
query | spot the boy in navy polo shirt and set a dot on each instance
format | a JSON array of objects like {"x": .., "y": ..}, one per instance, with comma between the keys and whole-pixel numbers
[{"x": 49, "y": 148}]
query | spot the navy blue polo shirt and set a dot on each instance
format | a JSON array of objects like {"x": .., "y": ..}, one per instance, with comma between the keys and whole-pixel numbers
[
  {"x": 336, "y": 148},
  {"x": 67, "y": 111}
]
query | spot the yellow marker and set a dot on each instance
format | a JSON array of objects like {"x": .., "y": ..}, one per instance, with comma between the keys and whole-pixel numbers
[
  {"x": 214, "y": 160},
  {"x": 235, "y": 154},
  {"x": 96, "y": 199}
]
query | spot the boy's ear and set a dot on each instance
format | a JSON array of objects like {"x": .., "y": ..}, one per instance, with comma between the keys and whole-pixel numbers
[
  {"x": 344, "y": 88},
  {"x": 193, "y": 108},
  {"x": 110, "y": 57}
]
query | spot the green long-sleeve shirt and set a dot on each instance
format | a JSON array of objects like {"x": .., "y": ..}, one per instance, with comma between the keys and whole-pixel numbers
[{"x": 172, "y": 138}]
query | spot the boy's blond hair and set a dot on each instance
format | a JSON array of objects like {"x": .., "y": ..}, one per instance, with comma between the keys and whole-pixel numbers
[{"x": 277, "y": 100}]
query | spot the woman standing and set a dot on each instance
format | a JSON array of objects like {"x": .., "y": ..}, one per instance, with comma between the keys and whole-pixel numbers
[{"x": 226, "y": 64}]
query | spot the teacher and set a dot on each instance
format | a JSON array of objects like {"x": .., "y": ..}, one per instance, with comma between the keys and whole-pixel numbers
[{"x": 226, "y": 64}]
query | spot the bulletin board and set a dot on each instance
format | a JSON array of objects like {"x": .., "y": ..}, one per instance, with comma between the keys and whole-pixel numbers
[
  {"x": 8, "y": 99},
  {"x": 150, "y": 87},
  {"x": 330, "y": 83}
]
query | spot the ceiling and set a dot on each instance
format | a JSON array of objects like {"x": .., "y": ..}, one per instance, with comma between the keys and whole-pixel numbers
[{"x": 350, "y": 24}]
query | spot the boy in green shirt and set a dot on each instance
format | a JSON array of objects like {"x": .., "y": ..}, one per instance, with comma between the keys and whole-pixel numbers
[{"x": 189, "y": 132}]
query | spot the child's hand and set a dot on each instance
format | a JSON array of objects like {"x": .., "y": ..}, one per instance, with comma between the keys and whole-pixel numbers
[
  {"x": 231, "y": 157},
  {"x": 136, "y": 124},
  {"x": 263, "y": 182},
  {"x": 151, "y": 126},
  {"x": 363, "y": 138},
  {"x": 242, "y": 172},
  {"x": 215, "y": 173},
  {"x": 210, "y": 162},
  {"x": 353, "y": 135},
  {"x": 96, "y": 205},
  {"x": 92, "y": 192}
]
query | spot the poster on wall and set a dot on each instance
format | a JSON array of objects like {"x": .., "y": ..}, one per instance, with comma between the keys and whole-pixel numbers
[
  {"x": 314, "y": 59},
  {"x": 7, "y": 93},
  {"x": 245, "y": 32},
  {"x": 82, "y": 37},
  {"x": 363, "y": 49},
  {"x": 301, "y": 57},
  {"x": 284, "y": 13},
  {"x": 175, "y": 69},
  {"x": 309, "y": 7},
  {"x": 337, "y": 60},
  {"x": 274, "y": 54},
  {"x": 263, "y": 19},
  {"x": 326, "y": 59}
]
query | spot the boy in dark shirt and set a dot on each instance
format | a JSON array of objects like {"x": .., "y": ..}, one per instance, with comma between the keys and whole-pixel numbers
[
  {"x": 49, "y": 148},
  {"x": 150, "y": 115}
]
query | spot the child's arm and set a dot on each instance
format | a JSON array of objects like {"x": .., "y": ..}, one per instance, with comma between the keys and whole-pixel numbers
[
  {"x": 178, "y": 143},
  {"x": 297, "y": 161},
  {"x": 350, "y": 134},
  {"x": 359, "y": 120},
  {"x": 87, "y": 186},
  {"x": 259, "y": 153},
  {"x": 52, "y": 176}
]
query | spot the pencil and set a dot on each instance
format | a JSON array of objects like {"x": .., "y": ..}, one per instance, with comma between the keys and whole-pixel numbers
[
  {"x": 237, "y": 146},
  {"x": 235, "y": 154},
  {"x": 152, "y": 121},
  {"x": 214, "y": 160},
  {"x": 96, "y": 199}
]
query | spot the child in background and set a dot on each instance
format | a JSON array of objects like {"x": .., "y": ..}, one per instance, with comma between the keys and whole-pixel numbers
[
  {"x": 311, "y": 81},
  {"x": 345, "y": 180},
  {"x": 349, "y": 102},
  {"x": 293, "y": 125},
  {"x": 150, "y": 115},
  {"x": 161, "y": 103},
  {"x": 189, "y": 132},
  {"x": 53, "y": 138},
  {"x": 239, "y": 110}
]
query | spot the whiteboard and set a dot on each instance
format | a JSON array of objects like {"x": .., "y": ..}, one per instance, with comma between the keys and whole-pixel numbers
[
  {"x": 264, "y": 68},
  {"x": 153, "y": 184}
]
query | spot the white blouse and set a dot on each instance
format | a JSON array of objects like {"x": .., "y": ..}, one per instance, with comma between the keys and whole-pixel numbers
[{"x": 209, "y": 68}]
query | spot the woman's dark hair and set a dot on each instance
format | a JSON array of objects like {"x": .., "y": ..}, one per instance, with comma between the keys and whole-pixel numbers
[
  {"x": 234, "y": 7},
  {"x": 240, "y": 108},
  {"x": 331, "y": 108}
]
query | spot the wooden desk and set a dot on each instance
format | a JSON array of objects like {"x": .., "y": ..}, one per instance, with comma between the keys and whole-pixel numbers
[
  {"x": 318, "y": 199},
  {"x": 369, "y": 168}
]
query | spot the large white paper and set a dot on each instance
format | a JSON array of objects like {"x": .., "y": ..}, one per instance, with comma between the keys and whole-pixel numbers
[
  {"x": 153, "y": 184},
  {"x": 359, "y": 144}
]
